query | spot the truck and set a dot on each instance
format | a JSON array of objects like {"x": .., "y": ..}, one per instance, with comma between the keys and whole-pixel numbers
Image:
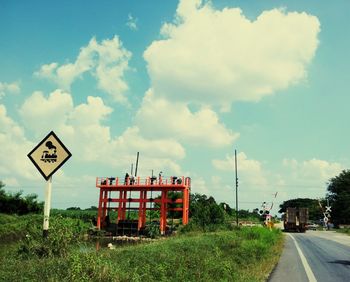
[{"x": 295, "y": 219}]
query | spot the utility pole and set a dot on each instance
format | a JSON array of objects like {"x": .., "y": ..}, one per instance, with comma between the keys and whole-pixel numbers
[
  {"x": 236, "y": 188},
  {"x": 137, "y": 163}
]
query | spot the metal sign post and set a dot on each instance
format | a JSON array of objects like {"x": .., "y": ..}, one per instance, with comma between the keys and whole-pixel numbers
[
  {"x": 48, "y": 156},
  {"x": 236, "y": 188},
  {"x": 47, "y": 207}
]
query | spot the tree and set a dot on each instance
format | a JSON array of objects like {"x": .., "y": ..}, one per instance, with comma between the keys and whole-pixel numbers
[
  {"x": 339, "y": 196},
  {"x": 226, "y": 207},
  {"x": 16, "y": 203},
  {"x": 205, "y": 211},
  {"x": 92, "y": 208},
  {"x": 73, "y": 209},
  {"x": 315, "y": 212}
]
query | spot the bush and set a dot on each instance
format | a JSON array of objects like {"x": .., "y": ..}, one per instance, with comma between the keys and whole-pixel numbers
[
  {"x": 63, "y": 234},
  {"x": 152, "y": 230},
  {"x": 18, "y": 204},
  {"x": 14, "y": 227}
]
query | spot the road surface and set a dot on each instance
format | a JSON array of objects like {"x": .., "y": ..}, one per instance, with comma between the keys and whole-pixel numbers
[{"x": 322, "y": 256}]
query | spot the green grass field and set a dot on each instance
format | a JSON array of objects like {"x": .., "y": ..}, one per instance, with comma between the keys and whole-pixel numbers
[{"x": 246, "y": 254}]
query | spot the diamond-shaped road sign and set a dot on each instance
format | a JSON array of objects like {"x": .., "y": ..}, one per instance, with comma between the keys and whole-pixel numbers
[{"x": 49, "y": 155}]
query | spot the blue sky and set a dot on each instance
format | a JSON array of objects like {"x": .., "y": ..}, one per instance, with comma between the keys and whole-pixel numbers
[{"x": 184, "y": 83}]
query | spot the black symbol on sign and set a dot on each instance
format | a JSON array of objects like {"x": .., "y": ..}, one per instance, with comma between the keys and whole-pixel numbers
[{"x": 49, "y": 155}]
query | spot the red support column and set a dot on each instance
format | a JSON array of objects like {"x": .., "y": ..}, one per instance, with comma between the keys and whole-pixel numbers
[
  {"x": 141, "y": 202},
  {"x": 99, "y": 213},
  {"x": 144, "y": 209},
  {"x": 185, "y": 206},
  {"x": 104, "y": 206},
  {"x": 163, "y": 212},
  {"x": 125, "y": 194},
  {"x": 120, "y": 205}
]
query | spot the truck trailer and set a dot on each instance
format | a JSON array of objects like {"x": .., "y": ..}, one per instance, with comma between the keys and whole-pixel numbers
[{"x": 295, "y": 219}]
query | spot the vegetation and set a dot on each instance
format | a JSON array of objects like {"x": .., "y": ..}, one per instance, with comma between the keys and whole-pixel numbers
[
  {"x": 205, "y": 211},
  {"x": 344, "y": 230},
  {"x": 14, "y": 227},
  {"x": 18, "y": 204},
  {"x": 84, "y": 215},
  {"x": 315, "y": 212},
  {"x": 209, "y": 248},
  {"x": 242, "y": 255},
  {"x": 339, "y": 197}
]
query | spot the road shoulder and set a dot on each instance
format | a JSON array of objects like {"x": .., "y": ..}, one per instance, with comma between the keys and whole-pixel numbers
[{"x": 289, "y": 267}]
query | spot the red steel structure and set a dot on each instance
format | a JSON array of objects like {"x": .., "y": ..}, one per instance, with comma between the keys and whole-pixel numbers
[{"x": 144, "y": 187}]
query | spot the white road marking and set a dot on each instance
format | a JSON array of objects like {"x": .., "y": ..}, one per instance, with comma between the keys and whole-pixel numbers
[{"x": 309, "y": 273}]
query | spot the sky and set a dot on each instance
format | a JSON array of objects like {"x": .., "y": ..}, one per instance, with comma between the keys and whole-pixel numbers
[{"x": 185, "y": 83}]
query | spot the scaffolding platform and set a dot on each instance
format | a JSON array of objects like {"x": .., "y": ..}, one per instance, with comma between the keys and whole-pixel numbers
[{"x": 115, "y": 194}]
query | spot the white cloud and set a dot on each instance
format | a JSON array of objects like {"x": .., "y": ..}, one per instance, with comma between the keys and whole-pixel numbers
[
  {"x": 198, "y": 185},
  {"x": 83, "y": 130},
  {"x": 157, "y": 146},
  {"x": 13, "y": 150},
  {"x": 216, "y": 57},
  {"x": 41, "y": 115},
  {"x": 120, "y": 151},
  {"x": 294, "y": 179},
  {"x": 249, "y": 170},
  {"x": 162, "y": 118},
  {"x": 313, "y": 171},
  {"x": 8, "y": 88},
  {"x": 132, "y": 22},
  {"x": 106, "y": 61},
  {"x": 91, "y": 113},
  {"x": 11, "y": 181}
]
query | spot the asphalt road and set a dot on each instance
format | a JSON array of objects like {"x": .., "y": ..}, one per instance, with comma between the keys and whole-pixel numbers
[{"x": 314, "y": 256}]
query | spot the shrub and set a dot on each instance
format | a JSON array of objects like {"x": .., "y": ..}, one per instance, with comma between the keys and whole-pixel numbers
[
  {"x": 152, "y": 230},
  {"x": 18, "y": 204},
  {"x": 63, "y": 233}
]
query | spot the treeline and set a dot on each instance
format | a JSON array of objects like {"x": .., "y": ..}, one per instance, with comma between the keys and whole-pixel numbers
[
  {"x": 337, "y": 197},
  {"x": 16, "y": 203},
  {"x": 205, "y": 212},
  {"x": 315, "y": 211}
]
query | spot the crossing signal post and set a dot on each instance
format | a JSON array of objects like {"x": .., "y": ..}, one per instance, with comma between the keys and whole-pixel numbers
[
  {"x": 48, "y": 156},
  {"x": 326, "y": 213},
  {"x": 265, "y": 214}
]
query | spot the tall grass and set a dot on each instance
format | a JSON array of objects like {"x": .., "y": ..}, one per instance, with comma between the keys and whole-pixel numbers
[
  {"x": 14, "y": 227},
  {"x": 343, "y": 230},
  {"x": 246, "y": 254}
]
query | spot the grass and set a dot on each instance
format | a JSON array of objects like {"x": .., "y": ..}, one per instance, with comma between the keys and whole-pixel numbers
[
  {"x": 14, "y": 227},
  {"x": 343, "y": 230},
  {"x": 246, "y": 254}
]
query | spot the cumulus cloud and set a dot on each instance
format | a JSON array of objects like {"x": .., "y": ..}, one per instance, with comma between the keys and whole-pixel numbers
[
  {"x": 198, "y": 185},
  {"x": 13, "y": 150},
  {"x": 159, "y": 154},
  {"x": 250, "y": 170},
  {"x": 40, "y": 114},
  {"x": 8, "y": 88},
  {"x": 163, "y": 118},
  {"x": 86, "y": 135},
  {"x": 106, "y": 61},
  {"x": 293, "y": 179},
  {"x": 217, "y": 57},
  {"x": 313, "y": 171}
]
